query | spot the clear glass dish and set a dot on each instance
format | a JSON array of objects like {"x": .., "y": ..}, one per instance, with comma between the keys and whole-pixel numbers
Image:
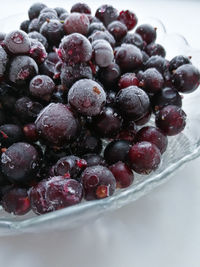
[{"x": 181, "y": 149}]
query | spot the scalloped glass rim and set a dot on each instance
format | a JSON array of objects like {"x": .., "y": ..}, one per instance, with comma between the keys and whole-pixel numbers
[{"x": 182, "y": 148}]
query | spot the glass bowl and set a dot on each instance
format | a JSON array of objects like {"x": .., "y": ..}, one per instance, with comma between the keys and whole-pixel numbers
[{"x": 181, "y": 149}]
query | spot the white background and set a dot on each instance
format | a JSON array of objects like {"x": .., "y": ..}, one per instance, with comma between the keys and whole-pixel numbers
[{"x": 160, "y": 229}]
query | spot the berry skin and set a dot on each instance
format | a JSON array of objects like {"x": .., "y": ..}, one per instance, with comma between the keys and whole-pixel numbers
[
  {"x": 146, "y": 118},
  {"x": 98, "y": 182},
  {"x": 56, "y": 124},
  {"x": 22, "y": 70},
  {"x": 20, "y": 162},
  {"x": 87, "y": 97},
  {"x": 171, "y": 120},
  {"x": 69, "y": 167},
  {"x": 34, "y": 26},
  {"x": 49, "y": 65},
  {"x": 102, "y": 35},
  {"x": 128, "y": 79},
  {"x": 53, "y": 31},
  {"x": 93, "y": 160},
  {"x": 10, "y": 134},
  {"x": 43, "y": 17},
  {"x": 70, "y": 74},
  {"x": 30, "y": 132},
  {"x": 153, "y": 135},
  {"x": 177, "y": 62},
  {"x": 75, "y": 48},
  {"x": 186, "y": 78},
  {"x": 147, "y": 32},
  {"x": 55, "y": 193},
  {"x": 24, "y": 25},
  {"x": 76, "y": 23},
  {"x": 42, "y": 87},
  {"x": 153, "y": 49},
  {"x": 134, "y": 39},
  {"x": 144, "y": 157},
  {"x": 63, "y": 16},
  {"x": 123, "y": 174},
  {"x": 16, "y": 201},
  {"x": 133, "y": 102},
  {"x": 117, "y": 150},
  {"x": 17, "y": 42},
  {"x": 81, "y": 8},
  {"x": 3, "y": 61},
  {"x": 128, "y": 57},
  {"x": 96, "y": 26},
  {"x": 35, "y": 9},
  {"x": 106, "y": 14},
  {"x": 128, "y": 132},
  {"x": 110, "y": 75},
  {"x": 159, "y": 63},
  {"x": 60, "y": 11},
  {"x": 37, "y": 51},
  {"x": 103, "y": 53},
  {"x": 166, "y": 96},
  {"x": 117, "y": 29},
  {"x": 39, "y": 37},
  {"x": 152, "y": 80},
  {"x": 107, "y": 123},
  {"x": 128, "y": 18},
  {"x": 48, "y": 10}
]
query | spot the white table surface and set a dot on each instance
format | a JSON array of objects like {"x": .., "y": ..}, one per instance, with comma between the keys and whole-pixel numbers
[{"x": 160, "y": 229}]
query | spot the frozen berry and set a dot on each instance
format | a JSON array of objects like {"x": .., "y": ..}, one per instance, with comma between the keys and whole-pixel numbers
[
  {"x": 87, "y": 97},
  {"x": 98, "y": 182},
  {"x": 3, "y": 61},
  {"x": 49, "y": 65},
  {"x": 103, "y": 53},
  {"x": 60, "y": 10},
  {"x": 147, "y": 32},
  {"x": 134, "y": 39},
  {"x": 43, "y": 17},
  {"x": 171, "y": 120},
  {"x": 37, "y": 51},
  {"x": 178, "y": 61},
  {"x": 117, "y": 150},
  {"x": 17, "y": 42},
  {"x": 122, "y": 173},
  {"x": 102, "y": 35},
  {"x": 106, "y": 14},
  {"x": 96, "y": 26},
  {"x": 133, "y": 102},
  {"x": 42, "y": 87},
  {"x": 9, "y": 134},
  {"x": 34, "y": 26},
  {"x": 39, "y": 37},
  {"x": 144, "y": 157},
  {"x": 53, "y": 31},
  {"x": 128, "y": 18},
  {"x": 76, "y": 23},
  {"x": 128, "y": 79},
  {"x": 20, "y": 162},
  {"x": 110, "y": 75},
  {"x": 75, "y": 48},
  {"x": 117, "y": 29},
  {"x": 30, "y": 132},
  {"x": 24, "y": 25},
  {"x": 81, "y": 8},
  {"x": 152, "y": 80},
  {"x": 153, "y": 49},
  {"x": 94, "y": 159},
  {"x": 48, "y": 10},
  {"x": 35, "y": 9}
]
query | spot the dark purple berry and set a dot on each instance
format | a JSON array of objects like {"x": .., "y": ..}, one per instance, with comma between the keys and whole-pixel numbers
[
  {"x": 110, "y": 75},
  {"x": 17, "y": 42},
  {"x": 3, "y": 61},
  {"x": 63, "y": 17},
  {"x": 16, "y": 201},
  {"x": 37, "y": 51},
  {"x": 60, "y": 10},
  {"x": 35, "y": 9},
  {"x": 55, "y": 193},
  {"x": 39, "y": 37},
  {"x": 106, "y": 14},
  {"x": 87, "y": 97},
  {"x": 49, "y": 65},
  {"x": 75, "y": 48},
  {"x": 43, "y": 17},
  {"x": 20, "y": 162},
  {"x": 152, "y": 81},
  {"x": 128, "y": 79},
  {"x": 98, "y": 182},
  {"x": 123, "y": 174},
  {"x": 24, "y": 25},
  {"x": 146, "y": 118},
  {"x": 102, "y": 35},
  {"x": 96, "y": 26},
  {"x": 117, "y": 150},
  {"x": 10, "y": 134},
  {"x": 128, "y": 18},
  {"x": 30, "y": 132},
  {"x": 53, "y": 31},
  {"x": 117, "y": 29},
  {"x": 159, "y": 63},
  {"x": 186, "y": 78},
  {"x": 167, "y": 96},
  {"x": 134, "y": 39},
  {"x": 108, "y": 123},
  {"x": 171, "y": 120},
  {"x": 22, "y": 70},
  {"x": 56, "y": 124},
  {"x": 76, "y": 23},
  {"x": 153, "y": 49},
  {"x": 147, "y": 32},
  {"x": 129, "y": 57},
  {"x": 34, "y": 26},
  {"x": 153, "y": 135},
  {"x": 94, "y": 159},
  {"x": 133, "y": 102},
  {"x": 178, "y": 61},
  {"x": 42, "y": 87},
  {"x": 103, "y": 53},
  {"x": 144, "y": 157},
  {"x": 128, "y": 132},
  {"x": 81, "y": 8},
  {"x": 48, "y": 10},
  {"x": 70, "y": 74}
]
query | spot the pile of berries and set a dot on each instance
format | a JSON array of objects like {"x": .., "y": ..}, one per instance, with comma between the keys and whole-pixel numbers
[{"x": 70, "y": 81}]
